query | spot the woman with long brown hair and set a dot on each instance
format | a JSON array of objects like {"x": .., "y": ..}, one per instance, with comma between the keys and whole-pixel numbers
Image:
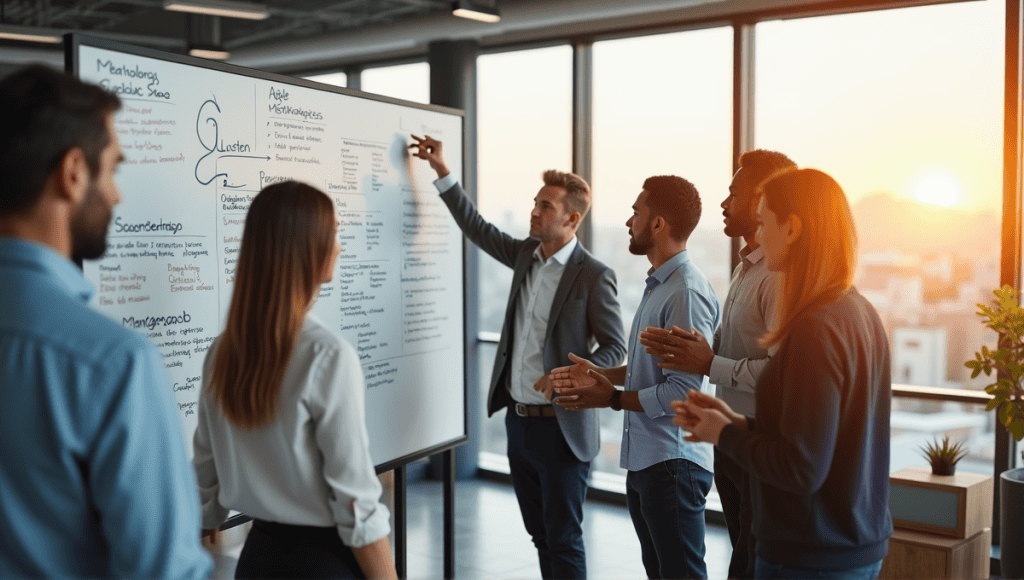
[
  {"x": 282, "y": 428},
  {"x": 817, "y": 454}
]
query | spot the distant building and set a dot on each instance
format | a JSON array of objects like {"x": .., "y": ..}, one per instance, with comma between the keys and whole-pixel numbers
[{"x": 919, "y": 356}]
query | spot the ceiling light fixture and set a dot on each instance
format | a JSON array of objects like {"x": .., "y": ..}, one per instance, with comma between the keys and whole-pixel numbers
[
  {"x": 473, "y": 11},
  {"x": 30, "y": 34},
  {"x": 245, "y": 10}
]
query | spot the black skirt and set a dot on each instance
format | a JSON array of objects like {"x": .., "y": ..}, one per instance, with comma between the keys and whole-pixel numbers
[{"x": 275, "y": 551}]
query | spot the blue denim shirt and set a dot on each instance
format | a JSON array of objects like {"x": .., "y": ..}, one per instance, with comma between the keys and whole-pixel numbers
[
  {"x": 677, "y": 293},
  {"x": 94, "y": 477}
]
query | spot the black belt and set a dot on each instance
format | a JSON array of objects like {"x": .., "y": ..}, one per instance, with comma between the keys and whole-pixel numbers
[{"x": 524, "y": 410}]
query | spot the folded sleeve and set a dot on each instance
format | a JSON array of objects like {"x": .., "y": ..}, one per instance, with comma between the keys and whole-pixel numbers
[{"x": 338, "y": 409}]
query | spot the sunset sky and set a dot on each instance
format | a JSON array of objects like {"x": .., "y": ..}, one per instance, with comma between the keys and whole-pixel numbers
[{"x": 906, "y": 102}]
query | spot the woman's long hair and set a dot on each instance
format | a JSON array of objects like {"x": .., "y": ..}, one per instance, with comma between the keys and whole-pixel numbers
[
  {"x": 822, "y": 261},
  {"x": 288, "y": 238}
]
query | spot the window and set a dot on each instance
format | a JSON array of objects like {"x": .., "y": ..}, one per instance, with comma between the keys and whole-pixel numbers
[
  {"x": 662, "y": 105},
  {"x": 338, "y": 79},
  {"x": 524, "y": 128},
  {"x": 904, "y": 108},
  {"x": 406, "y": 81}
]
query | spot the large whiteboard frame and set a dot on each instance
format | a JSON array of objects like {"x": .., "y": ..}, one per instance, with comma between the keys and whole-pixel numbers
[{"x": 74, "y": 43}]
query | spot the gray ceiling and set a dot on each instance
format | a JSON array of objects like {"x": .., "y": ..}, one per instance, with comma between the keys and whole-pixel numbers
[
  {"x": 314, "y": 35},
  {"x": 145, "y": 21}
]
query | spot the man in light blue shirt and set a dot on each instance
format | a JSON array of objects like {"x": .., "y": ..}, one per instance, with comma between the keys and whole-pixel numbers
[
  {"x": 94, "y": 478},
  {"x": 668, "y": 478}
]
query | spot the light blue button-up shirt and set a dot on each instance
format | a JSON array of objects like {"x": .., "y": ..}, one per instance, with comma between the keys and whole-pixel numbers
[
  {"x": 94, "y": 478},
  {"x": 677, "y": 293}
]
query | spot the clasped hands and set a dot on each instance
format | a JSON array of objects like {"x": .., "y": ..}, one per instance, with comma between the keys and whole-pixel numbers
[{"x": 584, "y": 385}]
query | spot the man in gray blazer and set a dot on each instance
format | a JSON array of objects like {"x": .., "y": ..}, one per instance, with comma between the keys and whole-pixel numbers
[{"x": 562, "y": 300}]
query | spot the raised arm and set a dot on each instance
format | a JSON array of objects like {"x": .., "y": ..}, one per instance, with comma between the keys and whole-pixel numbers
[{"x": 499, "y": 245}]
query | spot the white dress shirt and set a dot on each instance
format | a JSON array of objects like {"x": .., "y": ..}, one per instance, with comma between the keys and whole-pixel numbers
[
  {"x": 533, "y": 307},
  {"x": 749, "y": 313},
  {"x": 312, "y": 465}
]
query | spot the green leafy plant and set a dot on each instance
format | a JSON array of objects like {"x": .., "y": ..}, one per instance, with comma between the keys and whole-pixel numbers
[
  {"x": 1006, "y": 317},
  {"x": 944, "y": 456}
]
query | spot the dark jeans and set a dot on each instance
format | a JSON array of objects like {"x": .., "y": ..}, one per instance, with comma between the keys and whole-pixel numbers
[
  {"x": 274, "y": 550},
  {"x": 666, "y": 502},
  {"x": 768, "y": 571},
  {"x": 733, "y": 490},
  {"x": 550, "y": 484}
]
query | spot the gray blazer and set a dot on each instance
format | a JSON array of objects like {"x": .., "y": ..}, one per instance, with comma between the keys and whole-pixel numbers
[{"x": 584, "y": 318}]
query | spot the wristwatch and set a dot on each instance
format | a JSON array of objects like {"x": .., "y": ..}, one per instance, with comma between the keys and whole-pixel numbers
[{"x": 616, "y": 401}]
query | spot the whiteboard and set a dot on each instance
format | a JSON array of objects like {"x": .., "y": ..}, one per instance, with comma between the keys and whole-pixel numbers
[{"x": 201, "y": 139}]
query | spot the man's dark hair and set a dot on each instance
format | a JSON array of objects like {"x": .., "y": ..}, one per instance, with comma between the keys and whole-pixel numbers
[
  {"x": 677, "y": 201},
  {"x": 762, "y": 163},
  {"x": 44, "y": 113}
]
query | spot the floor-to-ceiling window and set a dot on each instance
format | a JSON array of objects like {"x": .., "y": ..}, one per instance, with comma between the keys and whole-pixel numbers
[
  {"x": 404, "y": 81},
  {"x": 338, "y": 79},
  {"x": 904, "y": 108},
  {"x": 524, "y": 127}
]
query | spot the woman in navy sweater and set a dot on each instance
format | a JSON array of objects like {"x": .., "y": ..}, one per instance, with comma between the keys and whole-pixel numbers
[{"x": 818, "y": 452}]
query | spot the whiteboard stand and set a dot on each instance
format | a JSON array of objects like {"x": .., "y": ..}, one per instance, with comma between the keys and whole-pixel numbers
[
  {"x": 400, "y": 522},
  {"x": 401, "y": 510},
  {"x": 448, "y": 459}
]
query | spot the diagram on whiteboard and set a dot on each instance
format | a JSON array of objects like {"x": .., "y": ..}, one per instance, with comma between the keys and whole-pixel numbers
[{"x": 196, "y": 158}]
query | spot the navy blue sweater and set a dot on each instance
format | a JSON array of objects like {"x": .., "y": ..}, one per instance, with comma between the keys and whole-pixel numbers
[{"x": 818, "y": 452}]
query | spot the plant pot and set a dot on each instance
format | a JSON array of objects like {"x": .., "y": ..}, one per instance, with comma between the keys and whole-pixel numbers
[
  {"x": 943, "y": 469},
  {"x": 1011, "y": 523}
]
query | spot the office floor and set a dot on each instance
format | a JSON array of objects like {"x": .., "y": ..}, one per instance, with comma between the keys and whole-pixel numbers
[{"x": 491, "y": 543}]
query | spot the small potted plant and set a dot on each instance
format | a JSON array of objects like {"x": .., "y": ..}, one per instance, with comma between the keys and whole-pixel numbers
[
  {"x": 944, "y": 456},
  {"x": 1005, "y": 316}
]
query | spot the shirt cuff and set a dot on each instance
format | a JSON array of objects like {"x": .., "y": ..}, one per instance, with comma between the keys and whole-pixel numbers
[
  {"x": 721, "y": 371},
  {"x": 445, "y": 183},
  {"x": 649, "y": 401},
  {"x": 372, "y": 522}
]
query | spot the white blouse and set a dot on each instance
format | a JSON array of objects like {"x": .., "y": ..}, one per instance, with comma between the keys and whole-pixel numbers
[{"x": 312, "y": 465}]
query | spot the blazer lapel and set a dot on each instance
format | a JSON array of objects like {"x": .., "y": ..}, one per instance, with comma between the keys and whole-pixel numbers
[{"x": 523, "y": 264}]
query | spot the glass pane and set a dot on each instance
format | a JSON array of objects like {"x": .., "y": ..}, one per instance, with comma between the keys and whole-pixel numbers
[
  {"x": 662, "y": 105},
  {"x": 525, "y": 127},
  {"x": 338, "y": 79},
  {"x": 915, "y": 423},
  {"x": 904, "y": 108},
  {"x": 405, "y": 81}
]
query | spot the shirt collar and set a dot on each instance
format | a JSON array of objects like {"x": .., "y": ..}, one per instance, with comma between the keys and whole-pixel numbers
[
  {"x": 753, "y": 256},
  {"x": 19, "y": 253},
  {"x": 670, "y": 265},
  {"x": 561, "y": 256}
]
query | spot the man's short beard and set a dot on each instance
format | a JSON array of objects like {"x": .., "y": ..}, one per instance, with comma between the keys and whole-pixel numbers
[{"x": 89, "y": 227}]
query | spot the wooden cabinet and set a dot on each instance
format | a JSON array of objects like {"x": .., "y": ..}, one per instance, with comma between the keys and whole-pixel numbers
[
  {"x": 958, "y": 505},
  {"x": 922, "y": 555},
  {"x": 943, "y": 525}
]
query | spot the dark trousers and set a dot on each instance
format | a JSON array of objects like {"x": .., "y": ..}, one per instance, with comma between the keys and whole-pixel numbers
[
  {"x": 768, "y": 571},
  {"x": 666, "y": 502},
  {"x": 550, "y": 483},
  {"x": 734, "y": 491},
  {"x": 274, "y": 550}
]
